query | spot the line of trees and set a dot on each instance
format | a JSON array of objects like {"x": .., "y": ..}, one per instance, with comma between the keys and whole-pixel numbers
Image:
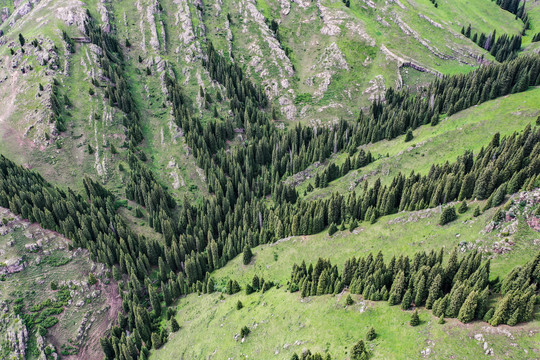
[
  {"x": 503, "y": 48},
  {"x": 461, "y": 288}
]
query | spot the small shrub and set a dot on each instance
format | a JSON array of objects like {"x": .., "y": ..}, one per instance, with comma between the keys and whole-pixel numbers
[
  {"x": 244, "y": 331},
  {"x": 371, "y": 334},
  {"x": 415, "y": 320}
]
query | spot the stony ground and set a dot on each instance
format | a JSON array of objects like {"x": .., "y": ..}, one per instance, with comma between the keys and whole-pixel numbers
[{"x": 31, "y": 260}]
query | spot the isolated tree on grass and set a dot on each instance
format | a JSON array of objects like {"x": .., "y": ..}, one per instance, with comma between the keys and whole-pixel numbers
[
  {"x": 349, "y": 301},
  {"x": 415, "y": 320},
  {"x": 244, "y": 331},
  {"x": 371, "y": 334}
]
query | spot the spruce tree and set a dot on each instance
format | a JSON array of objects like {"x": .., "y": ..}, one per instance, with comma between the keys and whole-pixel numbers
[
  {"x": 358, "y": 352},
  {"x": 409, "y": 135},
  {"x": 371, "y": 334},
  {"x": 448, "y": 214},
  {"x": 247, "y": 255},
  {"x": 174, "y": 325},
  {"x": 407, "y": 300},
  {"x": 435, "y": 291},
  {"x": 332, "y": 229},
  {"x": 415, "y": 320},
  {"x": 467, "y": 311}
]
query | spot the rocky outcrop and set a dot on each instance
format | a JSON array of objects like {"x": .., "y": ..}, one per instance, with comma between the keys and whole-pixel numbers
[
  {"x": 13, "y": 333},
  {"x": 4, "y": 14},
  {"x": 104, "y": 13},
  {"x": 332, "y": 20},
  {"x": 72, "y": 13}
]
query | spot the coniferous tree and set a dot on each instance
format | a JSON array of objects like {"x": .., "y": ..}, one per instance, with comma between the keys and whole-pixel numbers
[
  {"x": 409, "y": 135},
  {"x": 448, "y": 215},
  {"x": 174, "y": 325},
  {"x": 407, "y": 300},
  {"x": 371, "y": 334},
  {"x": 247, "y": 255},
  {"x": 415, "y": 320},
  {"x": 467, "y": 311}
]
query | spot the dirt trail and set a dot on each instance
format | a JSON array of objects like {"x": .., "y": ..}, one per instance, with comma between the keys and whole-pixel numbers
[{"x": 91, "y": 348}]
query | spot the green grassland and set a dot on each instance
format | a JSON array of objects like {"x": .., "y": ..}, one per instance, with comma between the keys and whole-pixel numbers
[
  {"x": 281, "y": 323},
  {"x": 469, "y": 129}
]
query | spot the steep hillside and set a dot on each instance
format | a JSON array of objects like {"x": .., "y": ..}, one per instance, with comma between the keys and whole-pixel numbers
[
  {"x": 156, "y": 155},
  {"x": 282, "y": 323},
  {"x": 47, "y": 296}
]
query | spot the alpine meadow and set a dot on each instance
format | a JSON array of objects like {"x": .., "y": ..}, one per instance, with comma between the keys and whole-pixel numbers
[{"x": 269, "y": 179}]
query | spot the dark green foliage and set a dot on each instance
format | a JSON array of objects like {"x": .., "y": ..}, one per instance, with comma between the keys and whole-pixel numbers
[
  {"x": 441, "y": 320},
  {"x": 244, "y": 331},
  {"x": 489, "y": 314},
  {"x": 174, "y": 325},
  {"x": 118, "y": 93},
  {"x": 22, "y": 40},
  {"x": 332, "y": 229},
  {"x": 156, "y": 340},
  {"x": 359, "y": 352},
  {"x": 247, "y": 255},
  {"x": 239, "y": 305},
  {"x": 467, "y": 311},
  {"x": 448, "y": 215},
  {"x": 477, "y": 211},
  {"x": 69, "y": 41},
  {"x": 409, "y": 135},
  {"x": 92, "y": 279},
  {"x": 463, "y": 207},
  {"x": 371, "y": 334},
  {"x": 406, "y": 302},
  {"x": 415, "y": 320},
  {"x": 459, "y": 289},
  {"x": 349, "y": 301}
]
